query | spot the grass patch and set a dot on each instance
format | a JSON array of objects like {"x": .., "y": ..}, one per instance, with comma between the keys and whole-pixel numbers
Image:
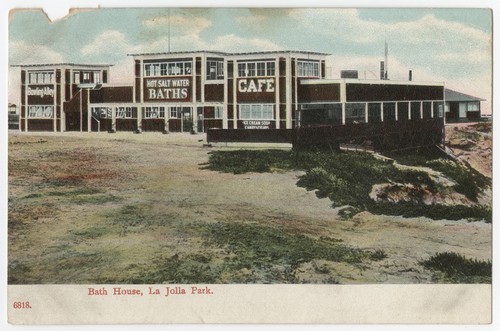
[
  {"x": 135, "y": 216},
  {"x": 243, "y": 161},
  {"x": 378, "y": 255},
  {"x": 450, "y": 267},
  {"x": 95, "y": 199},
  {"x": 79, "y": 191},
  {"x": 248, "y": 253},
  {"x": 90, "y": 233},
  {"x": 435, "y": 212},
  {"x": 16, "y": 272},
  {"x": 347, "y": 178}
]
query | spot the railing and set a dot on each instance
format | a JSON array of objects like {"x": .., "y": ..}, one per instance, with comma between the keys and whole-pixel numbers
[
  {"x": 363, "y": 136},
  {"x": 98, "y": 123}
]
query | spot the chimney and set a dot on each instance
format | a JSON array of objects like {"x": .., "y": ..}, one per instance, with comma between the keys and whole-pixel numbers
[
  {"x": 382, "y": 70},
  {"x": 410, "y": 75}
]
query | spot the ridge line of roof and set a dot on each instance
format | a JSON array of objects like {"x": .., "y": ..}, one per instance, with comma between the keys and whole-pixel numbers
[
  {"x": 61, "y": 64},
  {"x": 230, "y": 53}
]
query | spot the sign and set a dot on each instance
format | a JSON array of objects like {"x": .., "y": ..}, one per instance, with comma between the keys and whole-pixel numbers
[
  {"x": 256, "y": 90},
  {"x": 41, "y": 91},
  {"x": 256, "y": 124},
  {"x": 253, "y": 85},
  {"x": 167, "y": 89}
]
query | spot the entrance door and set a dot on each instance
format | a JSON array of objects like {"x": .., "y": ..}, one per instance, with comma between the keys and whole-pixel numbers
[
  {"x": 200, "y": 119},
  {"x": 72, "y": 121},
  {"x": 462, "y": 110}
]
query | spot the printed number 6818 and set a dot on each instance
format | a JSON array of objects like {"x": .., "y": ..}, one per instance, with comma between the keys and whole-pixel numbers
[{"x": 22, "y": 305}]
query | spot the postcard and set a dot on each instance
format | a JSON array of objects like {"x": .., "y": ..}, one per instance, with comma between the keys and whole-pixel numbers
[{"x": 250, "y": 165}]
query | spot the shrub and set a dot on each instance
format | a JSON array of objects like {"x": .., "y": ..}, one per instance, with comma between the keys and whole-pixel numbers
[
  {"x": 347, "y": 178},
  {"x": 456, "y": 268}
]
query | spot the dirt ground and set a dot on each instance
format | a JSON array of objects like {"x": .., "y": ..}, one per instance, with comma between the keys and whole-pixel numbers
[{"x": 105, "y": 208}]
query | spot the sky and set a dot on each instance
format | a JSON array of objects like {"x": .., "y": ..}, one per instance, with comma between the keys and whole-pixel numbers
[{"x": 453, "y": 46}]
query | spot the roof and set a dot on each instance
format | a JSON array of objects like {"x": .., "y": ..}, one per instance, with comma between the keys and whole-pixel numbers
[
  {"x": 451, "y": 95},
  {"x": 178, "y": 53},
  {"x": 317, "y": 81},
  {"x": 230, "y": 54},
  {"x": 61, "y": 65}
]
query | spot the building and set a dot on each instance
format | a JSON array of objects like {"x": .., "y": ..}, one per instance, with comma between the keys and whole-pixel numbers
[
  {"x": 54, "y": 97},
  {"x": 13, "y": 117},
  {"x": 202, "y": 90},
  {"x": 354, "y": 101},
  {"x": 13, "y": 109},
  {"x": 256, "y": 96},
  {"x": 179, "y": 91},
  {"x": 462, "y": 107}
]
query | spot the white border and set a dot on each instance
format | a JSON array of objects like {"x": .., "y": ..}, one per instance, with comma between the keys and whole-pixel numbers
[{"x": 59, "y": 7}]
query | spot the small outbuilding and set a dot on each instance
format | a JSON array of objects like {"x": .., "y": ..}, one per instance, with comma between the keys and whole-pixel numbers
[{"x": 461, "y": 107}]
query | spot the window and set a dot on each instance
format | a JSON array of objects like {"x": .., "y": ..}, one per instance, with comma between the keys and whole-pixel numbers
[
  {"x": 101, "y": 112},
  {"x": 261, "y": 68},
  {"x": 175, "y": 112},
  {"x": 154, "y": 112},
  {"x": 308, "y": 69},
  {"x": 41, "y": 111},
  {"x": 427, "y": 110},
  {"x": 355, "y": 113},
  {"x": 374, "y": 115},
  {"x": 250, "y": 69},
  {"x": 256, "y": 69},
  {"x": 327, "y": 113},
  {"x": 215, "y": 69},
  {"x": 76, "y": 78},
  {"x": 242, "y": 69},
  {"x": 41, "y": 77},
  {"x": 473, "y": 106},
  {"x": 415, "y": 110},
  {"x": 219, "y": 112},
  {"x": 402, "y": 111},
  {"x": 256, "y": 112},
  {"x": 179, "y": 68},
  {"x": 389, "y": 111},
  {"x": 86, "y": 77},
  {"x": 270, "y": 68},
  {"x": 126, "y": 112},
  {"x": 438, "y": 109}
]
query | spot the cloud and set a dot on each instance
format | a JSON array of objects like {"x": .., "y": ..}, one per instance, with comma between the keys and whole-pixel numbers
[
  {"x": 21, "y": 52},
  {"x": 347, "y": 24},
  {"x": 187, "y": 24},
  {"x": 251, "y": 20},
  {"x": 107, "y": 43},
  {"x": 234, "y": 43}
]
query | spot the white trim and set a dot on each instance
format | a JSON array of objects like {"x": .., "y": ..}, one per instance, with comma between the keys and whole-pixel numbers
[{"x": 367, "y": 82}]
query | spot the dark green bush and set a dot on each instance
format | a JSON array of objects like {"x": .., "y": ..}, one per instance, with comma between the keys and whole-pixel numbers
[
  {"x": 347, "y": 178},
  {"x": 456, "y": 268}
]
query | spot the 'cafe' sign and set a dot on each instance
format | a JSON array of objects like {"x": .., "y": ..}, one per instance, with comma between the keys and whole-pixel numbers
[{"x": 256, "y": 85}]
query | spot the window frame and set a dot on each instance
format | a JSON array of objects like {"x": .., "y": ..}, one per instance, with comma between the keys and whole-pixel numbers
[
  {"x": 308, "y": 69},
  {"x": 34, "y": 109},
  {"x": 148, "y": 111},
  {"x": 256, "y": 111},
  {"x": 42, "y": 77},
  {"x": 257, "y": 68},
  {"x": 218, "y": 69},
  {"x": 125, "y": 112},
  {"x": 167, "y": 69}
]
